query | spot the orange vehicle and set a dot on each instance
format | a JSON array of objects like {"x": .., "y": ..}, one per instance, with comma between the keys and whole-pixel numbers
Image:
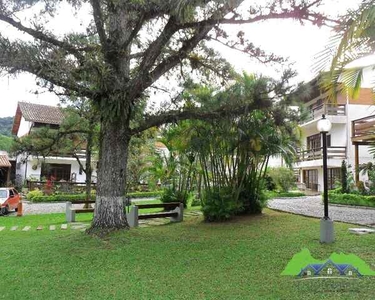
[{"x": 9, "y": 199}]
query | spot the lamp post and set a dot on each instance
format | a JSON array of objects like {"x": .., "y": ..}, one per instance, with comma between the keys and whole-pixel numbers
[{"x": 326, "y": 224}]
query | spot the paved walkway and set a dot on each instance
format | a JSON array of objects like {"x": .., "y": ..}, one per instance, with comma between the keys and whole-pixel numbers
[{"x": 313, "y": 206}]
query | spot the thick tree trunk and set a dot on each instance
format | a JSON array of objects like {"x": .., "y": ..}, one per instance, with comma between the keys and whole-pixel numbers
[{"x": 109, "y": 207}]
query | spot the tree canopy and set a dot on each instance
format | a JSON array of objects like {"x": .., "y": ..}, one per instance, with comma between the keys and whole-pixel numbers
[{"x": 120, "y": 55}]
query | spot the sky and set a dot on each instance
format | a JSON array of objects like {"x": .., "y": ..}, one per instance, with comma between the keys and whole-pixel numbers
[{"x": 282, "y": 37}]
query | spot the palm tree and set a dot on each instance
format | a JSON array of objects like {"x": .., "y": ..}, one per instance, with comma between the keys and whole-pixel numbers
[{"x": 355, "y": 40}]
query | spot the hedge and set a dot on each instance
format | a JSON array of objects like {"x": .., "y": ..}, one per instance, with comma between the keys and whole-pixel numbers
[
  {"x": 272, "y": 194},
  {"x": 76, "y": 197},
  {"x": 351, "y": 199}
]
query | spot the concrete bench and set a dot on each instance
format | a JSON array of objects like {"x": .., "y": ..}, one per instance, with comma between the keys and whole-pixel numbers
[
  {"x": 175, "y": 212},
  {"x": 71, "y": 212}
]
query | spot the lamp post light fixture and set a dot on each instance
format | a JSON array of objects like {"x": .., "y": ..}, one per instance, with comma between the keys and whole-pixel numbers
[{"x": 326, "y": 224}]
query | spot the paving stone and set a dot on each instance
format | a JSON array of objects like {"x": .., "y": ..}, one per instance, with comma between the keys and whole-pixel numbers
[
  {"x": 2, "y": 228},
  {"x": 64, "y": 226},
  {"x": 13, "y": 228},
  {"x": 52, "y": 227},
  {"x": 361, "y": 230},
  {"x": 26, "y": 228},
  {"x": 40, "y": 227}
]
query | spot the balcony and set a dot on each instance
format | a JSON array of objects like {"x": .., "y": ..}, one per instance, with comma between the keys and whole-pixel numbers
[
  {"x": 334, "y": 152},
  {"x": 329, "y": 110},
  {"x": 363, "y": 130}
]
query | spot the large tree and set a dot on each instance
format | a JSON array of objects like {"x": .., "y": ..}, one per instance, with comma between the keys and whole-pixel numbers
[{"x": 126, "y": 49}]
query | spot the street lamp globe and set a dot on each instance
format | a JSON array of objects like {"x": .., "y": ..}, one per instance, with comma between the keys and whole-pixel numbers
[{"x": 324, "y": 125}]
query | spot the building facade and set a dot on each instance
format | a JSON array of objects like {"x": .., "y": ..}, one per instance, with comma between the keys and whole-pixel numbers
[
  {"x": 309, "y": 164},
  {"x": 57, "y": 167}
]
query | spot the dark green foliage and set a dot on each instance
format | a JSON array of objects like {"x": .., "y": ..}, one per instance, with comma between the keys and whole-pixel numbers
[
  {"x": 283, "y": 178},
  {"x": 6, "y": 143},
  {"x": 60, "y": 198},
  {"x": 273, "y": 194},
  {"x": 6, "y": 126},
  {"x": 173, "y": 195},
  {"x": 219, "y": 205},
  {"x": 69, "y": 197},
  {"x": 344, "y": 177},
  {"x": 351, "y": 199},
  {"x": 269, "y": 183}
]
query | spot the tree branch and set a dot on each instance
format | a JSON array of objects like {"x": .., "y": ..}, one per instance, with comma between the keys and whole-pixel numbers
[
  {"x": 196, "y": 114},
  {"x": 99, "y": 23},
  {"x": 39, "y": 35}
]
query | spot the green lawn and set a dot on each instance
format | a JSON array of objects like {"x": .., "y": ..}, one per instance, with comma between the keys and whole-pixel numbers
[{"x": 241, "y": 259}]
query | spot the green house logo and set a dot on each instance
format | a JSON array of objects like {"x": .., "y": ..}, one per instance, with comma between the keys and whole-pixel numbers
[{"x": 303, "y": 265}]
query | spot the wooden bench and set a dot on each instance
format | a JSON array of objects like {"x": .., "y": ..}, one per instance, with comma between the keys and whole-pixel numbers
[
  {"x": 173, "y": 210},
  {"x": 71, "y": 212}
]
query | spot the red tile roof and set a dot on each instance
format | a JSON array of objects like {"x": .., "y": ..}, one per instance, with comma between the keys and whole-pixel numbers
[
  {"x": 37, "y": 113},
  {"x": 4, "y": 161},
  {"x": 41, "y": 113}
]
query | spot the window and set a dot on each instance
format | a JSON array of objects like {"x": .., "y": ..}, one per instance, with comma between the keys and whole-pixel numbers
[
  {"x": 308, "y": 273},
  {"x": 329, "y": 271},
  {"x": 314, "y": 142},
  {"x": 334, "y": 175},
  {"x": 56, "y": 172},
  {"x": 350, "y": 273},
  {"x": 311, "y": 179},
  {"x": 80, "y": 170}
]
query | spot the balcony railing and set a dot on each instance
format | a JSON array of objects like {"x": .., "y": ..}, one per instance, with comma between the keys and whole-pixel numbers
[
  {"x": 328, "y": 110},
  {"x": 363, "y": 129},
  {"x": 317, "y": 153}
]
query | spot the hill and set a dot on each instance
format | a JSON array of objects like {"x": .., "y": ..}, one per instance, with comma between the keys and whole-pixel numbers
[
  {"x": 5, "y": 142},
  {"x": 6, "y": 126}
]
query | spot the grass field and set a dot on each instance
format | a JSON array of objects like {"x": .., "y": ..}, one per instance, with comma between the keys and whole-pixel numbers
[{"x": 241, "y": 259}]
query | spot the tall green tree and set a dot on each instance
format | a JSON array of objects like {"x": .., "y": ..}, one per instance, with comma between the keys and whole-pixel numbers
[
  {"x": 127, "y": 47},
  {"x": 355, "y": 39}
]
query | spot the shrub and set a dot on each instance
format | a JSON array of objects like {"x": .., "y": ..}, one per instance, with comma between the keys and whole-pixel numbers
[
  {"x": 269, "y": 183},
  {"x": 283, "y": 178},
  {"x": 35, "y": 193},
  {"x": 75, "y": 197},
  {"x": 218, "y": 205},
  {"x": 171, "y": 195},
  {"x": 291, "y": 194},
  {"x": 351, "y": 199},
  {"x": 145, "y": 194},
  {"x": 61, "y": 198}
]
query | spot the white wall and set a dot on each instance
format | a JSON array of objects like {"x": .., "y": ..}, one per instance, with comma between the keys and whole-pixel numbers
[
  {"x": 341, "y": 136},
  {"x": 24, "y": 128},
  {"x": 26, "y": 171}
]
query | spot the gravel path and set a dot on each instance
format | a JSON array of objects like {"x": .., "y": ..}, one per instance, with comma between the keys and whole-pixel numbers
[{"x": 313, "y": 206}]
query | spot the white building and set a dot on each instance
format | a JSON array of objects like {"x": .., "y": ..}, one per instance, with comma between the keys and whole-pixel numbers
[
  {"x": 29, "y": 117},
  {"x": 309, "y": 165}
]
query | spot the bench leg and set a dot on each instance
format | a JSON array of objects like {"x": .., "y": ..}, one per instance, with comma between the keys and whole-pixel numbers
[
  {"x": 132, "y": 217},
  {"x": 70, "y": 214},
  {"x": 180, "y": 216}
]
